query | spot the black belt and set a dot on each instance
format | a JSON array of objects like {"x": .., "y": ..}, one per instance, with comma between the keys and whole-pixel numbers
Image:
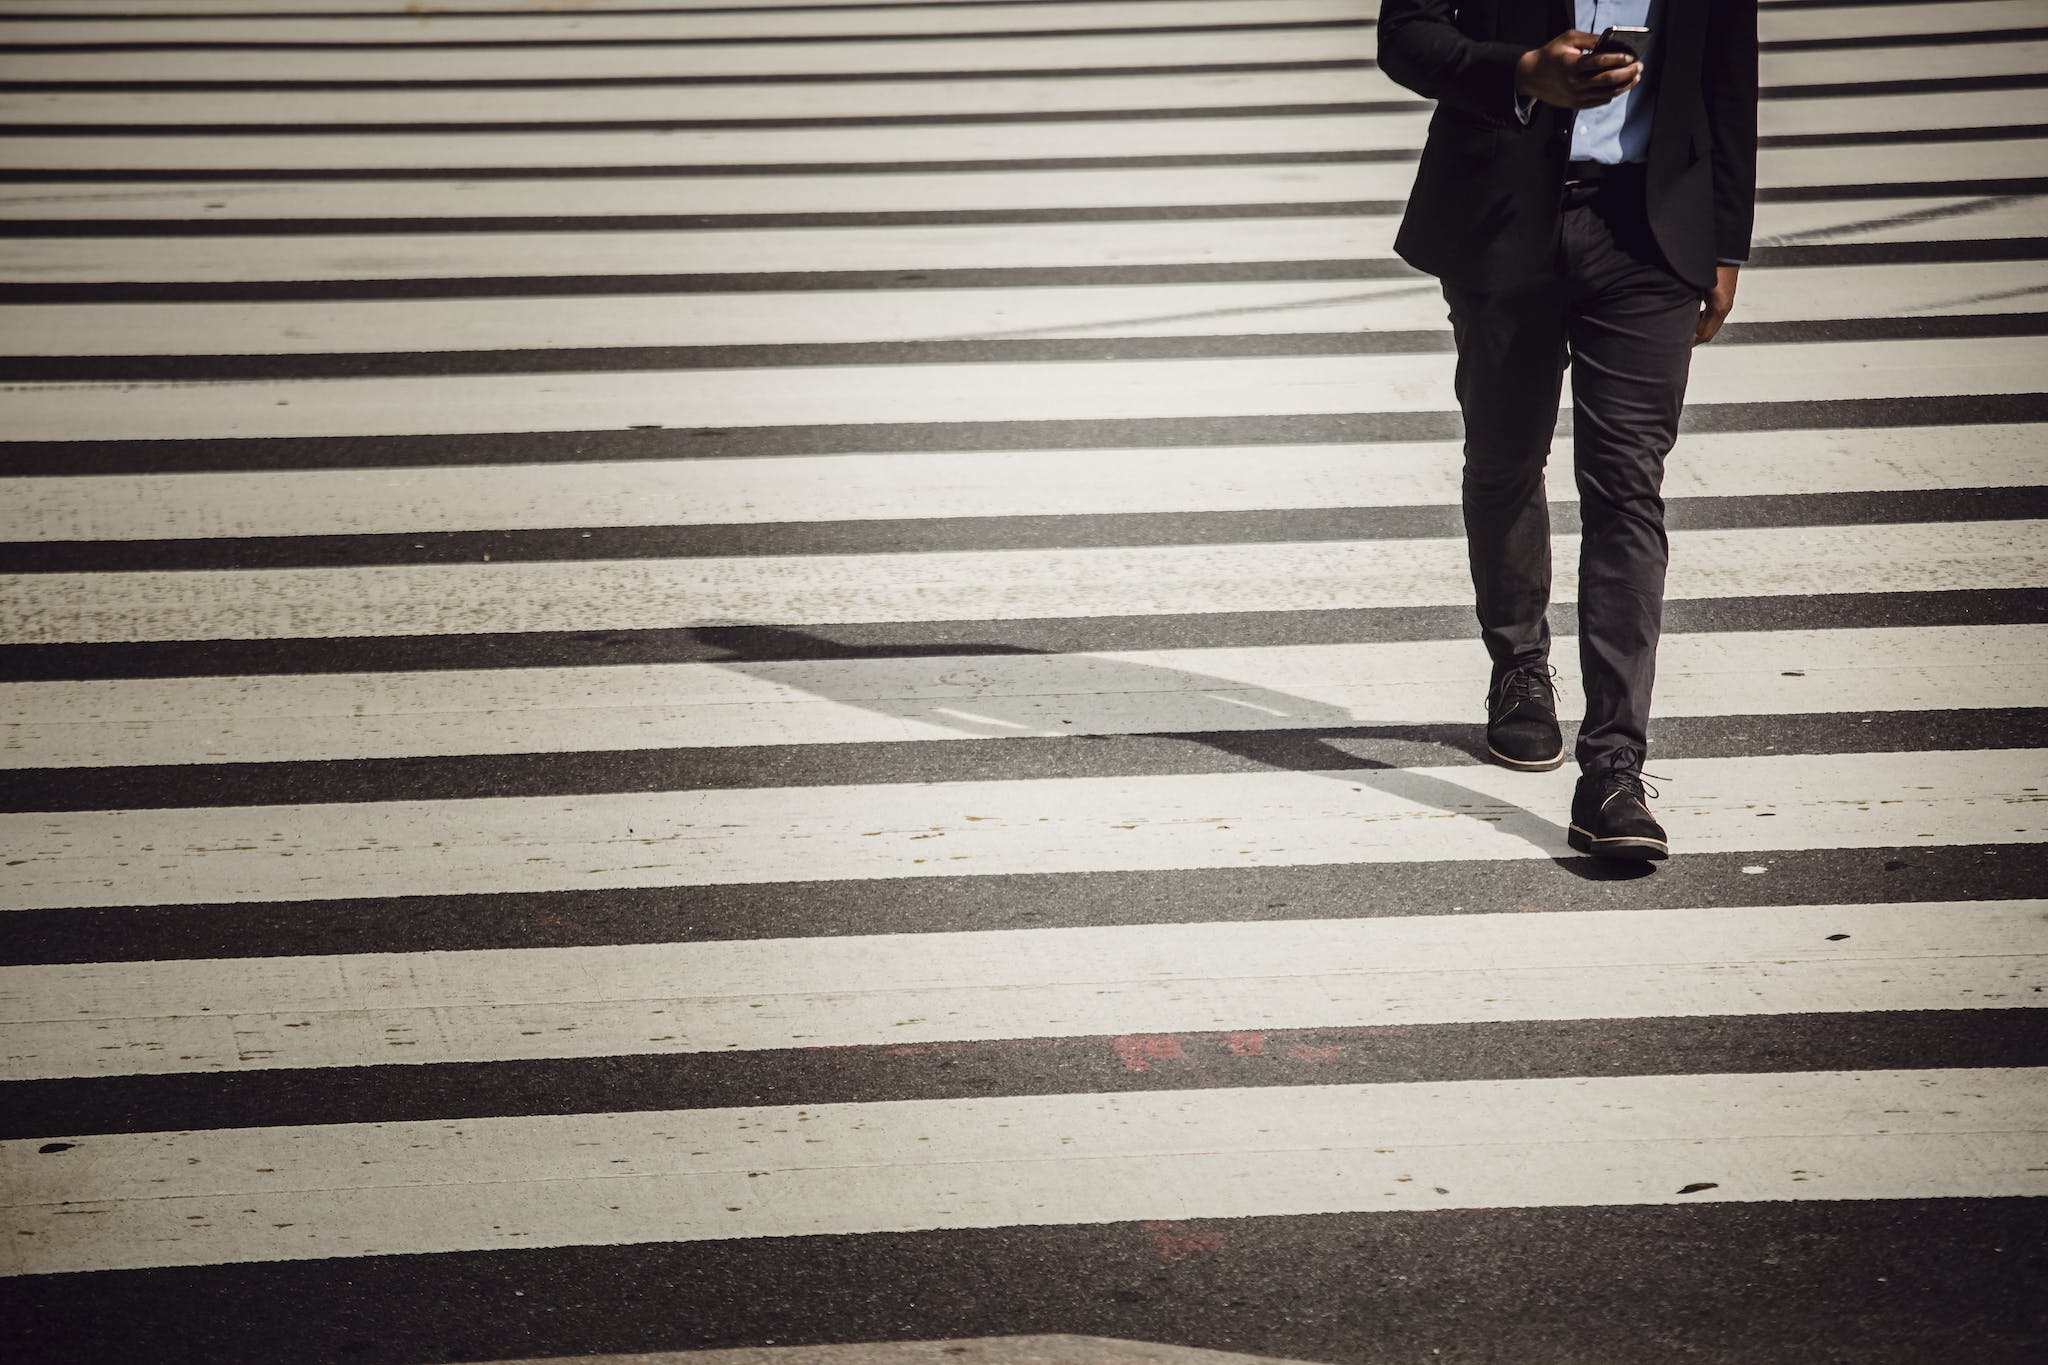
[{"x": 1595, "y": 173}]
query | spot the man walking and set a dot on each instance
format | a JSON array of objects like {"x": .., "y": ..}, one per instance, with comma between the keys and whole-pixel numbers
[{"x": 1585, "y": 210}]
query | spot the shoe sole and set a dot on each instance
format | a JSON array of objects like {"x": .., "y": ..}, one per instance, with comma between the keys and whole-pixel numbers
[
  {"x": 1633, "y": 848},
  {"x": 1526, "y": 765}
]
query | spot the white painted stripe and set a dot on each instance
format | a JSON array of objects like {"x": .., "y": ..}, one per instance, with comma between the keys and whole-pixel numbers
[
  {"x": 709, "y": 250},
  {"x": 1778, "y": 23},
  {"x": 1845, "y": 66},
  {"x": 724, "y": 59},
  {"x": 380, "y": 1009},
  {"x": 451, "y": 7},
  {"x": 569, "y": 710},
  {"x": 1308, "y": 133},
  {"x": 1305, "y": 182},
  {"x": 1820, "y": 66},
  {"x": 853, "y": 316},
  {"x": 1901, "y": 163},
  {"x": 1900, "y": 220},
  {"x": 891, "y": 315},
  {"x": 781, "y": 100},
  {"x": 939, "y": 484},
  {"x": 257, "y": 1194},
  {"x": 1302, "y": 134},
  {"x": 1221, "y": 135},
  {"x": 1301, "y": 182},
  {"x": 404, "y": 25},
  {"x": 999, "y": 585},
  {"x": 1830, "y": 114},
  {"x": 1782, "y": 24},
  {"x": 571, "y": 254},
  {"x": 1355, "y": 817},
  {"x": 383, "y": 7},
  {"x": 1072, "y": 94},
  {"x": 983, "y": 392}
]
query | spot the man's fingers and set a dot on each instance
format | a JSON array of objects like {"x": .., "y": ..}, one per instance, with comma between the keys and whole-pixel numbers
[
  {"x": 1627, "y": 74},
  {"x": 1595, "y": 97},
  {"x": 1712, "y": 315}
]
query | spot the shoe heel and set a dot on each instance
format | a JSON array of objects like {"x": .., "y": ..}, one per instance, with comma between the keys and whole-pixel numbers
[{"x": 1579, "y": 839}]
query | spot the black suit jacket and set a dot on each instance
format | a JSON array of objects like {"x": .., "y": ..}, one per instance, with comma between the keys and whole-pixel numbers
[{"x": 1485, "y": 210}]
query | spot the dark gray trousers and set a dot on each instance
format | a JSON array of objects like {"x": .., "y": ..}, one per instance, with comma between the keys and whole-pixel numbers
[{"x": 1623, "y": 325}]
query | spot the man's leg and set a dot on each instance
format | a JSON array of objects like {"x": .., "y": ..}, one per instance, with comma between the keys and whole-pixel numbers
[
  {"x": 1511, "y": 353},
  {"x": 1631, "y": 338}
]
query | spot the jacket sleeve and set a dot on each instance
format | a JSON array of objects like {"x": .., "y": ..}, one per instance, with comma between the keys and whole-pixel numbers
[
  {"x": 1729, "y": 81},
  {"x": 1421, "y": 47}
]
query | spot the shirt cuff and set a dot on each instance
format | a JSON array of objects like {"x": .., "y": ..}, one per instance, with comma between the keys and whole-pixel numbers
[{"x": 1723, "y": 260}]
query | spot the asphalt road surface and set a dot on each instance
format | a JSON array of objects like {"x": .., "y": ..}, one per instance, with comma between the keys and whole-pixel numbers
[{"x": 761, "y": 674}]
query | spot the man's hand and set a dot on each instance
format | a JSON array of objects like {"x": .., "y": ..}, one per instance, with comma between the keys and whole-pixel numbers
[
  {"x": 1714, "y": 308},
  {"x": 1562, "y": 72}
]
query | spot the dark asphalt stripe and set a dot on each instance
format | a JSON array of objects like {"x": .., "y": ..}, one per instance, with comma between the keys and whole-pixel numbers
[
  {"x": 612, "y": 359},
  {"x": 1833, "y": 42},
  {"x": 1432, "y": 1053},
  {"x": 1904, "y": 189},
  {"x": 750, "y": 644},
  {"x": 266, "y": 175},
  {"x": 1311, "y": 748},
  {"x": 659, "y": 222},
  {"x": 758, "y": 39},
  {"x": 131, "y": 16},
  {"x": 1078, "y": 112},
  {"x": 553, "y": 286},
  {"x": 1015, "y": 277},
  {"x": 401, "y": 174},
  {"x": 912, "y": 535},
  {"x": 1837, "y": 42},
  {"x": 1771, "y": 6},
  {"x": 1886, "y": 137},
  {"x": 646, "y": 44},
  {"x": 292, "y": 130},
  {"x": 926, "y": 905},
  {"x": 315, "y": 227},
  {"x": 19, "y": 459},
  {"x": 1878, "y": 1282},
  {"x": 1931, "y": 85},
  {"x": 438, "y": 15},
  {"x": 1921, "y": 85}
]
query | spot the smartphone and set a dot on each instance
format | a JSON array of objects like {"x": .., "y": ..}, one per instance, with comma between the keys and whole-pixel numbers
[{"x": 1628, "y": 39}]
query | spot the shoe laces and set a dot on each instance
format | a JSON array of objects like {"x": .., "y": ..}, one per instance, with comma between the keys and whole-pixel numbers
[
  {"x": 1623, "y": 771},
  {"x": 1531, "y": 682}
]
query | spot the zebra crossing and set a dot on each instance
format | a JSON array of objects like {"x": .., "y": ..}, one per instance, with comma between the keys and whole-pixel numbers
[{"x": 682, "y": 676}]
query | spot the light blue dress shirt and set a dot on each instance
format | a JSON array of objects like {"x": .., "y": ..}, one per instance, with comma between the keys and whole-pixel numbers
[{"x": 1620, "y": 129}]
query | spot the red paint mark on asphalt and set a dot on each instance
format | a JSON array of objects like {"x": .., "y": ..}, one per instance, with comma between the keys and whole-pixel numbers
[
  {"x": 1246, "y": 1044},
  {"x": 1302, "y": 1052},
  {"x": 555, "y": 921},
  {"x": 1177, "y": 1241},
  {"x": 1137, "y": 1051}
]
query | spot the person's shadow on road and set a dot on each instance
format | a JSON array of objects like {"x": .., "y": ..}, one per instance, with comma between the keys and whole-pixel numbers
[{"x": 1378, "y": 742}]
